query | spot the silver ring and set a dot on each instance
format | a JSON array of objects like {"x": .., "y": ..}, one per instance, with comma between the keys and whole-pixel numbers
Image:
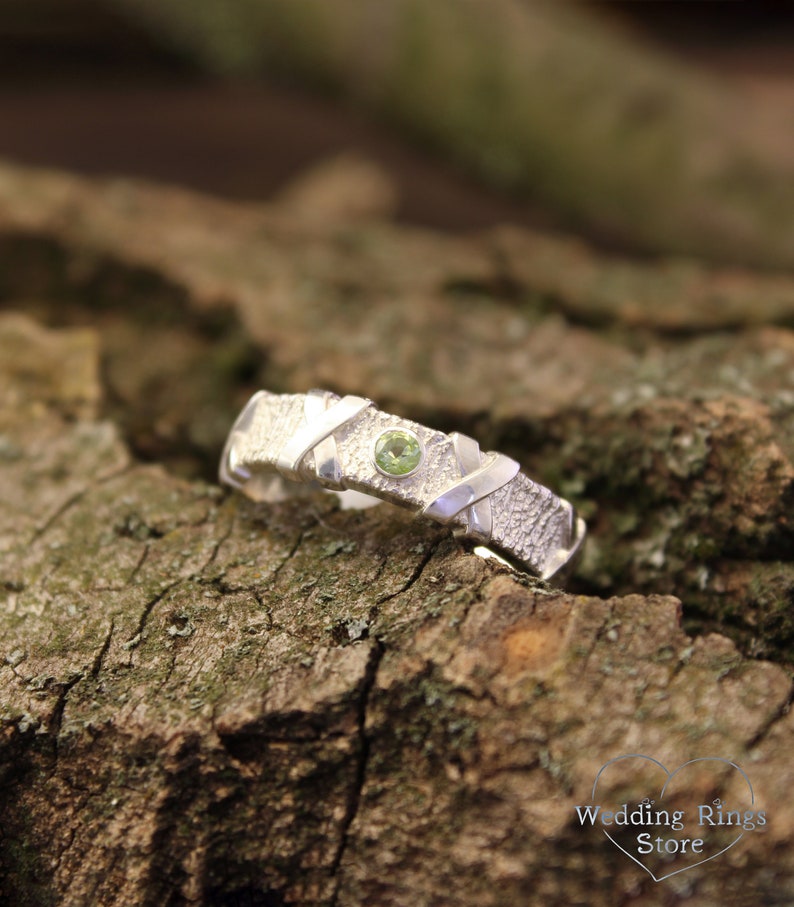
[{"x": 347, "y": 445}]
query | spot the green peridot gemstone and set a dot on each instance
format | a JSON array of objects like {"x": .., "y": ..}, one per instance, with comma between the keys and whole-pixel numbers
[{"x": 398, "y": 452}]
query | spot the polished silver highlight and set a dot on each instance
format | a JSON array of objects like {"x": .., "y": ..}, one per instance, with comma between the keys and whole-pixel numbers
[
  {"x": 479, "y": 518},
  {"x": 319, "y": 426},
  {"x": 474, "y": 488},
  {"x": 326, "y": 459},
  {"x": 319, "y": 438}
]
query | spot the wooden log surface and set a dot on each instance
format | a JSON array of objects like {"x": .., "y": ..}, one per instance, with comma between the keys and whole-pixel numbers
[
  {"x": 552, "y": 101},
  {"x": 206, "y": 701}
]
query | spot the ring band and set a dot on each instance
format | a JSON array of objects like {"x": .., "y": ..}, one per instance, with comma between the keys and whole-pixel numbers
[{"x": 346, "y": 443}]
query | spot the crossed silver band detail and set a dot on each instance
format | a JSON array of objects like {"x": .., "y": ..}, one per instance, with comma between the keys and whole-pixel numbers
[{"x": 329, "y": 441}]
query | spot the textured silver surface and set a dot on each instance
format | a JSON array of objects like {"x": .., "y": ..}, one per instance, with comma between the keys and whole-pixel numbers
[{"x": 322, "y": 439}]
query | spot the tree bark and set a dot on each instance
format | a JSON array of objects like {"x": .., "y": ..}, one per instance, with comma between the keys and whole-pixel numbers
[
  {"x": 204, "y": 701},
  {"x": 546, "y": 99}
]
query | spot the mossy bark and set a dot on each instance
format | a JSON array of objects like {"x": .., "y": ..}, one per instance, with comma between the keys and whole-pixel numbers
[
  {"x": 203, "y": 700},
  {"x": 543, "y": 98}
]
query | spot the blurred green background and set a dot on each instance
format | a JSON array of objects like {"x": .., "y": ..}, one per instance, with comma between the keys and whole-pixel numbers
[{"x": 645, "y": 126}]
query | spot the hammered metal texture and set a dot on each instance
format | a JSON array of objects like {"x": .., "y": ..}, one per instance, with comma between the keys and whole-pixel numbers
[{"x": 530, "y": 524}]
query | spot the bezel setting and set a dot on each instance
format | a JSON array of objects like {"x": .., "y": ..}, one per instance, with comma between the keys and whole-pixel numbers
[{"x": 398, "y": 430}]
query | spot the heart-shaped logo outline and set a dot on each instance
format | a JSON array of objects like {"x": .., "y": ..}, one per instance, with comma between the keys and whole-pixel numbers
[{"x": 670, "y": 776}]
